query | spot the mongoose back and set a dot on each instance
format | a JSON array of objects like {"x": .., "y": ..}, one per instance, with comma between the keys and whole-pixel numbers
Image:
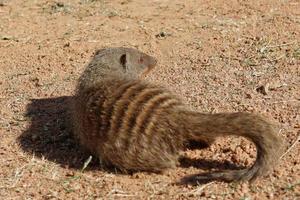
[{"x": 138, "y": 126}]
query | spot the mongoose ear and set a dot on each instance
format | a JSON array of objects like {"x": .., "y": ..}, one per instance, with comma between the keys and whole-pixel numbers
[{"x": 123, "y": 60}]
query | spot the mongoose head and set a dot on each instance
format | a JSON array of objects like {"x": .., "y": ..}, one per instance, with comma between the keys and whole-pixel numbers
[{"x": 125, "y": 61}]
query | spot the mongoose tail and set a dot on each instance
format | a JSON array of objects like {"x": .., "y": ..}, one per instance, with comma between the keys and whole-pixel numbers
[{"x": 256, "y": 128}]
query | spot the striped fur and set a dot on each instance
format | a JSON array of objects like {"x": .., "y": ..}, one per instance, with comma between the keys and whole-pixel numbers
[{"x": 124, "y": 128}]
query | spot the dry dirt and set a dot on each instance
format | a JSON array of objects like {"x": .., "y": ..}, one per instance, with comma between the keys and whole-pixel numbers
[{"x": 221, "y": 56}]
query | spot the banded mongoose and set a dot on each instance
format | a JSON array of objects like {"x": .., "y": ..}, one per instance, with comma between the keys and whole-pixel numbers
[{"x": 139, "y": 126}]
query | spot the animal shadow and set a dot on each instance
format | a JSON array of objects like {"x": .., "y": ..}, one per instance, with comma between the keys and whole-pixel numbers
[
  {"x": 49, "y": 134},
  {"x": 205, "y": 164}
]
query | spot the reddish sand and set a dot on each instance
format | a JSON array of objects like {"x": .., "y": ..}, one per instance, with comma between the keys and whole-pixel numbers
[{"x": 220, "y": 56}]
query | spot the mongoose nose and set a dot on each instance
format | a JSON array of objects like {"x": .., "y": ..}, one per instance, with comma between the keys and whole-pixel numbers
[{"x": 153, "y": 62}]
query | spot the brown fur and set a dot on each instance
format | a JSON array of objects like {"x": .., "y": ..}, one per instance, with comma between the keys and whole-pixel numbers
[{"x": 135, "y": 125}]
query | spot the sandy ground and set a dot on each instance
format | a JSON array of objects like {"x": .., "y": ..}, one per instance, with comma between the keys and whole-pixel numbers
[{"x": 220, "y": 56}]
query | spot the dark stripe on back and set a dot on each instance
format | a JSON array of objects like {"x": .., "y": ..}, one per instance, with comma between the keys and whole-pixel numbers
[
  {"x": 135, "y": 108},
  {"x": 154, "y": 119},
  {"x": 95, "y": 105},
  {"x": 108, "y": 109},
  {"x": 86, "y": 98},
  {"x": 147, "y": 116},
  {"x": 120, "y": 107}
]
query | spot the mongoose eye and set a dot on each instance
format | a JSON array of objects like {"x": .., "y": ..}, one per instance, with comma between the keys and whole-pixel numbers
[
  {"x": 123, "y": 60},
  {"x": 141, "y": 60}
]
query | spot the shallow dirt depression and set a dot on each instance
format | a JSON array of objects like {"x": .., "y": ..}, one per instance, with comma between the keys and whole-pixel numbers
[{"x": 220, "y": 56}]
